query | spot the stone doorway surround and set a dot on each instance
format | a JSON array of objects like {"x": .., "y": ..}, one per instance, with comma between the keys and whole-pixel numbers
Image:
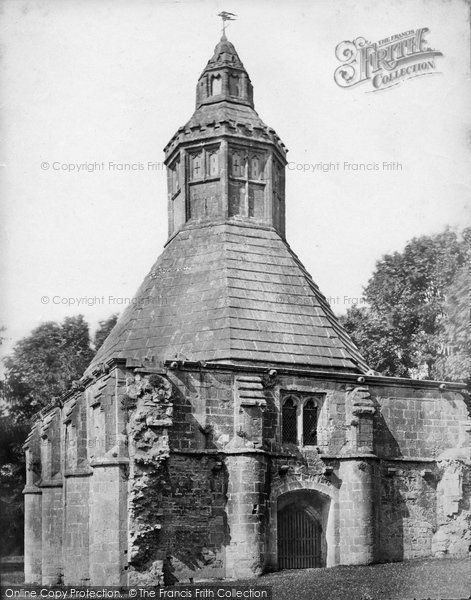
[{"x": 319, "y": 501}]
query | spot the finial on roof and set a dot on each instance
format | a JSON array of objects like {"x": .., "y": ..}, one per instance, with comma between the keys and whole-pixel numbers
[{"x": 226, "y": 16}]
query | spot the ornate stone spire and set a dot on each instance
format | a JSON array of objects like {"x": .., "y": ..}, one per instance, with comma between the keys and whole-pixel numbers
[{"x": 224, "y": 78}]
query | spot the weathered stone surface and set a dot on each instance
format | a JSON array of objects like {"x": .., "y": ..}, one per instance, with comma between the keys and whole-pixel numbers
[{"x": 177, "y": 456}]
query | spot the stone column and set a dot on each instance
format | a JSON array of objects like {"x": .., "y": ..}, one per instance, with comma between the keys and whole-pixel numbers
[
  {"x": 52, "y": 506},
  {"x": 76, "y": 530},
  {"x": 52, "y": 521},
  {"x": 356, "y": 507},
  {"x": 246, "y": 509},
  {"x": 33, "y": 510},
  {"x": 108, "y": 522},
  {"x": 356, "y": 471},
  {"x": 33, "y": 534}
]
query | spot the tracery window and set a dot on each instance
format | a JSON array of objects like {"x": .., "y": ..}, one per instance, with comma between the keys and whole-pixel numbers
[{"x": 299, "y": 418}]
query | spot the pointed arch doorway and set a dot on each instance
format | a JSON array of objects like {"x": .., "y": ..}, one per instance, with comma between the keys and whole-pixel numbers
[
  {"x": 299, "y": 539},
  {"x": 301, "y": 542}
]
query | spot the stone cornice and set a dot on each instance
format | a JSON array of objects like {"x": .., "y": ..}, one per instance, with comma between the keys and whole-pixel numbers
[
  {"x": 235, "y": 130},
  {"x": 343, "y": 377}
]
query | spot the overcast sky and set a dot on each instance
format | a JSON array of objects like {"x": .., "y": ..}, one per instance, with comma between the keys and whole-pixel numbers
[{"x": 111, "y": 81}]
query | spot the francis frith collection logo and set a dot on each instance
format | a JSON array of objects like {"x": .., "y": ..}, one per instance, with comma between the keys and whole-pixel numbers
[{"x": 385, "y": 63}]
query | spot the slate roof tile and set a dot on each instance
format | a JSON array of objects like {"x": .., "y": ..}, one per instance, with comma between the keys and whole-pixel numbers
[{"x": 231, "y": 292}]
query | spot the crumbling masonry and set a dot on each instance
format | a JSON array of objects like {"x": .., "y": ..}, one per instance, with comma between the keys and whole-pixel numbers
[{"x": 228, "y": 425}]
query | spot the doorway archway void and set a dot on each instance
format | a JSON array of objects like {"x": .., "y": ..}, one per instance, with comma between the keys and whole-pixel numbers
[{"x": 301, "y": 522}]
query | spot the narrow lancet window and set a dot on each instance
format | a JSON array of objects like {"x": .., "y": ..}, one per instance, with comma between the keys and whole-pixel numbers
[
  {"x": 216, "y": 85},
  {"x": 289, "y": 422},
  {"x": 310, "y": 423}
]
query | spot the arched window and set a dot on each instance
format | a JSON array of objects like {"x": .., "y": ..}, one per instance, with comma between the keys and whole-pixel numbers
[
  {"x": 254, "y": 168},
  {"x": 216, "y": 85},
  {"x": 237, "y": 166},
  {"x": 196, "y": 167},
  {"x": 234, "y": 85},
  {"x": 213, "y": 163},
  {"x": 175, "y": 178},
  {"x": 310, "y": 423},
  {"x": 289, "y": 425}
]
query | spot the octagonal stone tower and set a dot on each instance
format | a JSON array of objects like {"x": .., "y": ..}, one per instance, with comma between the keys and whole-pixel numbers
[{"x": 225, "y": 163}]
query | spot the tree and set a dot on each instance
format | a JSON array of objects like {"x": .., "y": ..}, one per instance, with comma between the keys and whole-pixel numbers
[
  {"x": 41, "y": 367},
  {"x": 44, "y": 364},
  {"x": 104, "y": 328},
  {"x": 12, "y": 480},
  {"x": 454, "y": 361},
  {"x": 401, "y": 333},
  {"x": 376, "y": 339}
]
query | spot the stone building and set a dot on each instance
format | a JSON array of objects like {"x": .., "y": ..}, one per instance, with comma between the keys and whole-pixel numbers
[{"x": 229, "y": 426}]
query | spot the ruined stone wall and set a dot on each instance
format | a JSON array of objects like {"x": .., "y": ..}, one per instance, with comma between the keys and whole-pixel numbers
[
  {"x": 76, "y": 513},
  {"x": 203, "y": 410},
  {"x": 417, "y": 423},
  {"x": 200, "y": 478},
  {"x": 407, "y": 515},
  {"x": 414, "y": 430},
  {"x": 169, "y": 477},
  {"x": 178, "y": 482}
]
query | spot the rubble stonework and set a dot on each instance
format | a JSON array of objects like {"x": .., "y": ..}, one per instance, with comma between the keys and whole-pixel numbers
[{"x": 228, "y": 425}]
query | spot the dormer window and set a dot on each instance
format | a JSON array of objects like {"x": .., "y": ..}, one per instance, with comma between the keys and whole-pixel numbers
[{"x": 216, "y": 85}]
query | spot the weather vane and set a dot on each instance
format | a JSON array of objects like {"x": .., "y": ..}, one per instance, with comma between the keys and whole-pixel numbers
[{"x": 226, "y": 16}]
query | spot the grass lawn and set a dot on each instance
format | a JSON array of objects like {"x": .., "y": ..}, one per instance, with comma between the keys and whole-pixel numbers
[{"x": 420, "y": 579}]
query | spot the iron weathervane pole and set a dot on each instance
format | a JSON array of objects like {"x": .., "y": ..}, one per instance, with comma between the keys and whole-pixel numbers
[{"x": 226, "y": 16}]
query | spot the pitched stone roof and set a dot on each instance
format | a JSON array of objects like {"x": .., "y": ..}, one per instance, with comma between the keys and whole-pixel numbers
[{"x": 231, "y": 292}]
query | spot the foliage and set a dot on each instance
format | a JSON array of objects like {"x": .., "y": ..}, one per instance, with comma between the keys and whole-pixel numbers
[
  {"x": 104, "y": 328},
  {"x": 44, "y": 364},
  {"x": 454, "y": 361},
  {"x": 41, "y": 367},
  {"x": 12, "y": 480},
  {"x": 416, "y": 310}
]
